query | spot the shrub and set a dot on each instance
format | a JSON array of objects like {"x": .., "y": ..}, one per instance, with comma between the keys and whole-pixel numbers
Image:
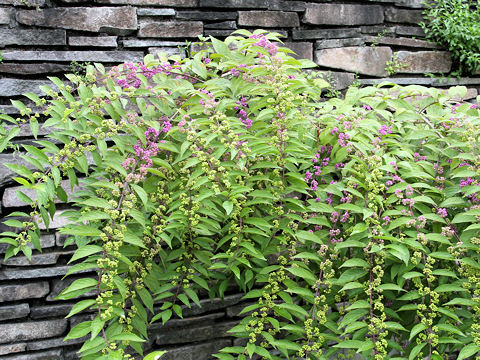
[
  {"x": 350, "y": 223},
  {"x": 455, "y": 25}
]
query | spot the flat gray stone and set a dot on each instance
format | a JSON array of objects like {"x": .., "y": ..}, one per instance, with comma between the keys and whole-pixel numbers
[
  {"x": 14, "y": 311},
  {"x": 337, "y": 80},
  {"x": 10, "y": 87},
  {"x": 178, "y": 3},
  {"x": 155, "y": 12},
  {"x": 33, "y": 69},
  {"x": 185, "y": 322},
  {"x": 409, "y": 31},
  {"x": 221, "y": 25},
  {"x": 378, "y": 29},
  {"x": 46, "y": 241},
  {"x": 169, "y": 50},
  {"x": 201, "y": 351},
  {"x": 68, "y": 56},
  {"x": 415, "y": 4},
  {"x": 98, "y": 41},
  {"x": 115, "y": 20},
  {"x": 343, "y": 14},
  {"x": 336, "y": 43},
  {"x": 247, "y": 4},
  {"x": 59, "y": 285},
  {"x": 52, "y": 310},
  {"x": 362, "y": 60},
  {"x": 135, "y": 43},
  {"x": 194, "y": 334},
  {"x": 5, "y": 16},
  {"x": 420, "y": 62},
  {"x": 404, "y": 42},
  {"x": 44, "y": 355},
  {"x": 268, "y": 19},
  {"x": 32, "y": 330},
  {"x": 16, "y": 274},
  {"x": 399, "y": 81},
  {"x": 10, "y": 199},
  {"x": 396, "y": 15},
  {"x": 23, "y": 3},
  {"x": 23, "y": 291},
  {"x": 206, "y": 15},
  {"x": 32, "y": 37},
  {"x": 170, "y": 29},
  {"x": 12, "y": 348},
  {"x": 302, "y": 50},
  {"x": 218, "y": 33},
  {"x": 325, "y": 34},
  {"x": 287, "y": 5},
  {"x": 54, "y": 343},
  {"x": 38, "y": 259},
  {"x": 211, "y": 305}
]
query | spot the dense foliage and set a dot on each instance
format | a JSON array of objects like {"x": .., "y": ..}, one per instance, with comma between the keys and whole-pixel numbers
[
  {"x": 351, "y": 224},
  {"x": 455, "y": 25}
]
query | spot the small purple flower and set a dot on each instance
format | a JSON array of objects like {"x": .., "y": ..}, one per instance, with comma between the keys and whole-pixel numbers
[{"x": 442, "y": 212}]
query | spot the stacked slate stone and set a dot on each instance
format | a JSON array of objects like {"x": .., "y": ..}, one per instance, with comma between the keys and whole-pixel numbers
[{"x": 40, "y": 38}]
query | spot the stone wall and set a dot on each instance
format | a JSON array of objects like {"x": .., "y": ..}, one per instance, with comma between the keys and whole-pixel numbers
[{"x": 39, "y": 38}]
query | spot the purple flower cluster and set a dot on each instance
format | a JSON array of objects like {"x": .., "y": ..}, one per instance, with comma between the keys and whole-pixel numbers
[
  {"x": 242, "y": 113},
  {"x": 384, "y": 130},
  {"x": 127, "y": 74},
  {"x": 208, "y": 103},
  {"x": 264, "y": 43}
]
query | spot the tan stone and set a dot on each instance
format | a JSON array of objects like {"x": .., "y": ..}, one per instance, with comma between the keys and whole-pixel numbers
[
  {"x": 363, "y": 60},
  {"x": 420, "y": 62},
  {"x": 118, "y": 20}
]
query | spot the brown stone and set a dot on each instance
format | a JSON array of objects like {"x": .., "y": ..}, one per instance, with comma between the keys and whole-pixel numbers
[
  {"x": 363, "y": 60},
  {"x": 302, "y": 50},
  {"x": 268, "y": 19},
  {"x": 98, "y": 41},
  {"x": 396, "y": 15},
  {"x": 23, "y": 291},
  {"x": 343, "y": 14},
  {"x": 33, "y": 69},
  {"x": 12, "y": 348},
  {"x": 424, "y": 61},
  {"x": 179, "y": 3},
  {"x": 14, "y": 311},
  {"x": 117, "y": 20},
  {"x": 5, "y": 16},
  {"x": 171, "y": 29}
]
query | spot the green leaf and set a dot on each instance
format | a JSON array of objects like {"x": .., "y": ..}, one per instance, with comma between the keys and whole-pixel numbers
[
  {"x": 302, "y": 273},
  {"x": 79, "y": 331},
  {"x": 416, "y": 329},
  {"x": 126, "y": 337},
  {"x": 467, "y": 351},
  {"x": 156, "y": 355},
  {"x": 228, "y": 206},
  {"x": 79, "y": 284},
  {"x": 85, "y": 251},
  {"x": 81, "y": 305},
  {"x": 355, "y": 262}
]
